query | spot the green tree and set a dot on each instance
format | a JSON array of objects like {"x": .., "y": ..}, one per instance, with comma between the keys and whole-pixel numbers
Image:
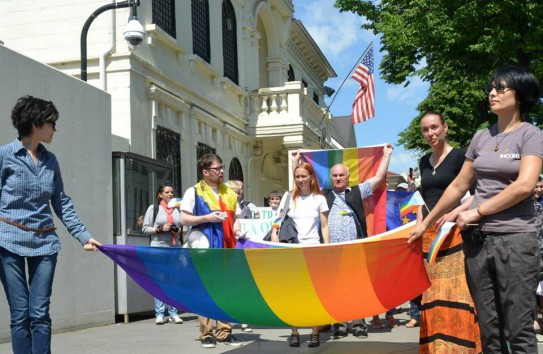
[{"x": 455, "y": 45}]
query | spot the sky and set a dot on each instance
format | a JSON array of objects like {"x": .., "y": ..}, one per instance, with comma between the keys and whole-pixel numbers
[{"x": 342, "y": 40}]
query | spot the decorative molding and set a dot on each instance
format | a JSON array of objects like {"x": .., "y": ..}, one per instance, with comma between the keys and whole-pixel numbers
[
  {"x": 197, "y": 63},
  {"x": 155, "y": 35},
  {"x": 164, "y": 96},
  {"x": 229, "y": 85}
]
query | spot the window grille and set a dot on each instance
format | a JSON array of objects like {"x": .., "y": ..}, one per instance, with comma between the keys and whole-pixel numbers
[
  {"x": 235, "y": 172},
  {"x": 200, "y": 29},
  {"x": 168, "y": 148},
  {"x": 164, "y": 15},
  {"x": 229, "y": 41},
  {"x": 201, "y": 150},
  {"x": 290, "y": 73}
]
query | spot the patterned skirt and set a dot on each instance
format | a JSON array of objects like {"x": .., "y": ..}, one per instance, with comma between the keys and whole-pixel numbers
[{"x": 448, "y": 323}]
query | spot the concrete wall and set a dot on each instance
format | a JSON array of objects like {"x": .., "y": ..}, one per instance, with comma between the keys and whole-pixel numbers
[{"x": 83, "y": 290}]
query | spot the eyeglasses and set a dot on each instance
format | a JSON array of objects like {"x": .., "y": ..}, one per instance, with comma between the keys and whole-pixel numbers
[
  {"x": 500, "y": 89},
  {"x": 216, "y": 169}
]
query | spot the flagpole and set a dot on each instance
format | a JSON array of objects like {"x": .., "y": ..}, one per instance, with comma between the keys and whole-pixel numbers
[{"x": 344, "y": 80}]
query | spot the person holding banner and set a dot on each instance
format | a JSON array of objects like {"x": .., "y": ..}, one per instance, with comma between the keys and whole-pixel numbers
[
  {"x": 346, "y": 218},
  {"x": 448, "y": 300},
  {"x": 309, "y": 211},
  {"x": 498, "y": 230}
]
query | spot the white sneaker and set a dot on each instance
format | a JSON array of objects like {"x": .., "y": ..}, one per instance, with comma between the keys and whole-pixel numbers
[
  {"x": 159, "y": 320},
  {"x": 176, "y": 319}
]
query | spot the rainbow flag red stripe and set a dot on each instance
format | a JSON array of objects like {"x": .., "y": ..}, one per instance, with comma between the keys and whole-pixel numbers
[
  {"x": 363, "y": 163},
  {"x": 326, "y": 283}
]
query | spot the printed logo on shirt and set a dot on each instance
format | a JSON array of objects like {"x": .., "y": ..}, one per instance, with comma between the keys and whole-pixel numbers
[{"x": 510, "y": 155}]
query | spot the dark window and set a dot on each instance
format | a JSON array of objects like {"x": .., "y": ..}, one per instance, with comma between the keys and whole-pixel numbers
[
  {"x": 304, "y": 83},
  {"x": 168, "y": 148},
  {"x": 201, "y": 150},
  {"x": 290, "y": 73},
  {"x": 200, "y": 29},
  {"x": 164, "y": 15},
  {"x": 315, "y": 98},
  {"x": 235, "y": 171},
  {"x": 229, "y": 41}
]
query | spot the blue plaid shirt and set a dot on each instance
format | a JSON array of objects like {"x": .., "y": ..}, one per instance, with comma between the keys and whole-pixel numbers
[{"x": 27, "y": 193}]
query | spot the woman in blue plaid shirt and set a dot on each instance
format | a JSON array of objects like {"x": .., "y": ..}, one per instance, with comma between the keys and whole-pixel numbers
[{"x": 30, "y": 184}]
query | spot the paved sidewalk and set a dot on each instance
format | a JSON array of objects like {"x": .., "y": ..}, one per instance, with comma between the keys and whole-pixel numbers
[{"x": 145, "y": 337}]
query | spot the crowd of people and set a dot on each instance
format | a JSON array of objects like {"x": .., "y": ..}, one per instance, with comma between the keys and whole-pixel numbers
[{"x": 484, "y": 282}]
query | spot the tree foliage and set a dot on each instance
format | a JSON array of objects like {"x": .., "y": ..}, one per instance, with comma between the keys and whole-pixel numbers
[{"x": 455, "y": 46}]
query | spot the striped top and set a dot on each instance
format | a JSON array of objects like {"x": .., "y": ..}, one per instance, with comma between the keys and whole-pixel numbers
[{"x": 27, "y": 193}]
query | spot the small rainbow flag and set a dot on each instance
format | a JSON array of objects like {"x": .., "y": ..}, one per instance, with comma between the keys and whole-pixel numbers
[
  {"x": 438, "y": 241},
  {"x": 410, "y": 204},
  {"x": 175, "y": 203},
  {"x": 362, "y": 163}
]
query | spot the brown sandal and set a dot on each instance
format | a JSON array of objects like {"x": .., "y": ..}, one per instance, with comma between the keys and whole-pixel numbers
[
  {"x": 314, "y": 341},
  {"x": 294, "y": 340}
]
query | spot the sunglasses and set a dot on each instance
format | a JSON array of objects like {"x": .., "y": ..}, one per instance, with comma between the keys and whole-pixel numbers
[{"x": 500, "y": 89}]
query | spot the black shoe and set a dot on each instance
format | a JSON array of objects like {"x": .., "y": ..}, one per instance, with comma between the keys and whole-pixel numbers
[
  {"x": 231, "y": 340},
  {"x": 294, "y": 340},
  {"x": 360, "y": 333},
  {"x": 208, "y": 342},
  {"x": 314, "y": 341},
  {"x": 339, "y": 334}
]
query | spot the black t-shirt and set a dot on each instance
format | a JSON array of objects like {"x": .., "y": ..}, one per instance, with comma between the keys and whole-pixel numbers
[{"x": 434, "y": 182}]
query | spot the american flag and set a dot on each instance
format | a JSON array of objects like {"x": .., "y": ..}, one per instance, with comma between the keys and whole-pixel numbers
[{"x": 363, "y": 106}]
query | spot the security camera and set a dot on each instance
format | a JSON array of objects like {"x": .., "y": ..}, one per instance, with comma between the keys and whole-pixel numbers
[{"x": 134, "y": 33}]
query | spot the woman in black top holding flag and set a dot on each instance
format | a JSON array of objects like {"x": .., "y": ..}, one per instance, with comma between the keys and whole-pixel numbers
[{"x": 448, "y": 323}]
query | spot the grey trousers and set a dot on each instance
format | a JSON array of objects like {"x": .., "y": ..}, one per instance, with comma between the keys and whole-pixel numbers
[{"x": 502, "y": 273}]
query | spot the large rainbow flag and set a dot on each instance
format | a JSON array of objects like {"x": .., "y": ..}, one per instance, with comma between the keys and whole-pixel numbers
[
  {"x": 363, "y": 163},
  {"x": 288, "y": 286}
]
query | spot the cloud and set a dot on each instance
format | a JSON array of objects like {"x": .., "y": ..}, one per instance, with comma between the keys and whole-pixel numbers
[
  {"x": 334, "y": 32},
  {"x": 401, "y": 160},
  {"x": 411, "y": 94}
]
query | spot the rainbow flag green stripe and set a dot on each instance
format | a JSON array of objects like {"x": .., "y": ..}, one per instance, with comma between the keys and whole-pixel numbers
[{"x": 281, "y": 287}]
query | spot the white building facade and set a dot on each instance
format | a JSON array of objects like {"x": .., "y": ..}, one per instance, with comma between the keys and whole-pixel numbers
[{"x": 240, "y": 78}]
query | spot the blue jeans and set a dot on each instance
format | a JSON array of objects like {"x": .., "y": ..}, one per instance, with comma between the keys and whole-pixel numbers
[
  {"x": 28, "y": 300},
  {"x": 414, "y": 308},
  {"x": 160, "y": 308}
]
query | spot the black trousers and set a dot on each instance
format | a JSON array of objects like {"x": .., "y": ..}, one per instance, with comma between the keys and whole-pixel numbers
[{"x": 502, "y": 272}]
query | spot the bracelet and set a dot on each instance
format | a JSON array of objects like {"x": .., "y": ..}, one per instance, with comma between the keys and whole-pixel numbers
[{"x": 479, "y": 211}]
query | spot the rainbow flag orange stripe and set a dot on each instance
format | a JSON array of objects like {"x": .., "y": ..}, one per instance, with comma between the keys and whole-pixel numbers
[
  {"x": 325, "y": 284},
  {"x": 363, "y": 163}
]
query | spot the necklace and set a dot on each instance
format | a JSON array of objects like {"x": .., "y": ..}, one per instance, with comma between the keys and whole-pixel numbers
[
  {"x": 503, "y": 137},
  {"x": 439, "y": 160}
]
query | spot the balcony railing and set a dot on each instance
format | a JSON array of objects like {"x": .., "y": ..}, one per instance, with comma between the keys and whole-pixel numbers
[{"x": 285, "y": 107}]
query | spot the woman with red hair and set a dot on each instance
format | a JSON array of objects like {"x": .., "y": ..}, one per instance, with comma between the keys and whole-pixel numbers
[{"x": 309, "y": 211}]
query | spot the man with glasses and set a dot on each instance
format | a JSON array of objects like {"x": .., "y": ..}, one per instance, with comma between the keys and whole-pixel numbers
[{"x": 211, "y": 207}]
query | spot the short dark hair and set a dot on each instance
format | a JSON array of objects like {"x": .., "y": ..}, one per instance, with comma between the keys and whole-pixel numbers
[
  {"x": 274, "y": 194},
  {"x": 206, "y": 161},
  {"x": 526, "y": 86},
  {"x": 31, "y": 111}
]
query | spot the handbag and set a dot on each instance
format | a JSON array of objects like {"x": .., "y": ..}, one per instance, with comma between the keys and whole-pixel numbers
[
  {"x": 283, "y": 217},
  {"x": 288, "y": 232}
]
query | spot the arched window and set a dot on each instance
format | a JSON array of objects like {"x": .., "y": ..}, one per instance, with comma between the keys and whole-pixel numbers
[
  {"x": 229, "y": 41},
  {"x": 235, "y": 171},
  {"x": 200, "y": 29},
  {"x": 290, "y": 73}
]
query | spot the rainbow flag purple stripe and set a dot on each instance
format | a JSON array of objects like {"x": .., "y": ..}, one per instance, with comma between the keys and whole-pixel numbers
[{"x": 249, "y": 285}]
